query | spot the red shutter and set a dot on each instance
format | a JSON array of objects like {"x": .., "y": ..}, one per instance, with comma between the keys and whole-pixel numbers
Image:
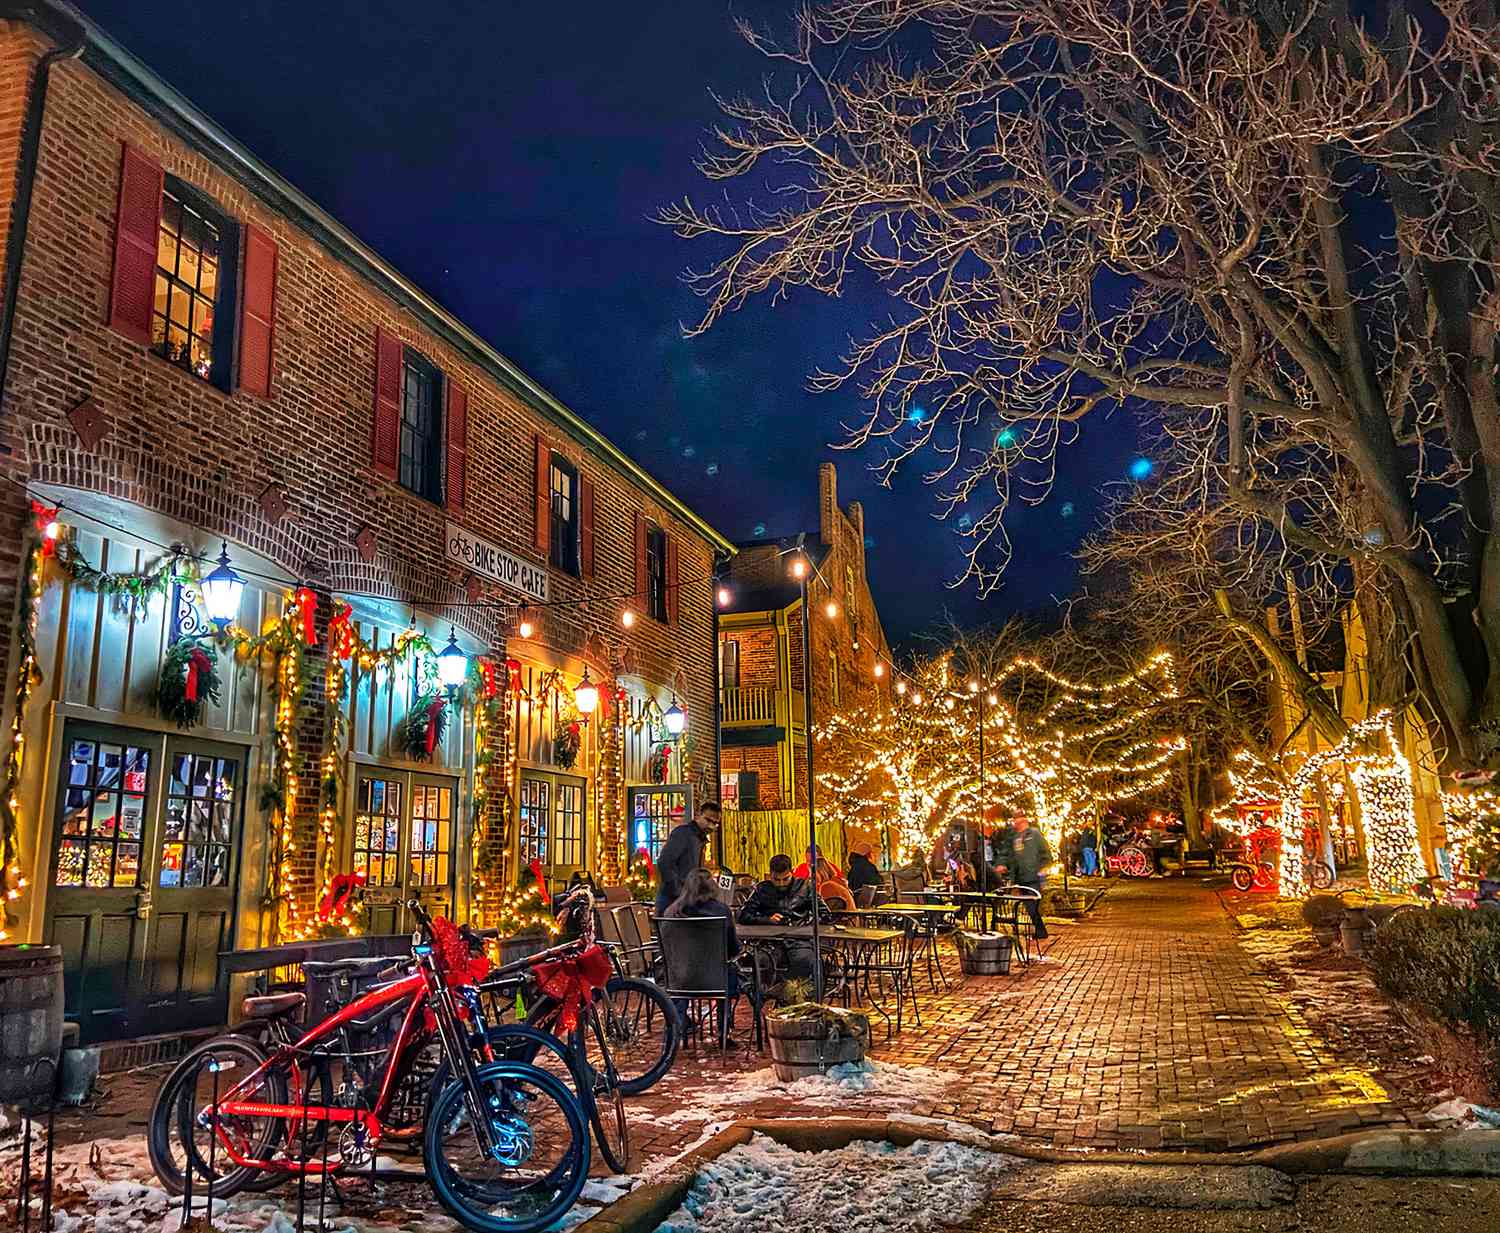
[
  {"x": 456, "y": 447},
  {"x": 132, "y": 287},
  {"x": 385, "y": 438},
  {"x": 257, "y": 312},
  {"x": 541, "y": 532},
  {"x": 642, "y": 592},
  {"x": 586, "y": 526},
  {"x": 671, "y": 579}
]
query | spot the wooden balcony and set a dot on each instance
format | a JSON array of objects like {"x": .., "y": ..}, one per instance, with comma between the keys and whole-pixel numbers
[{"x": 761, "y": 708}]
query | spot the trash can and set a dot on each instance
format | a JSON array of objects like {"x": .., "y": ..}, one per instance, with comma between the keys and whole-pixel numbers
[{"x": 985, "y": 954}]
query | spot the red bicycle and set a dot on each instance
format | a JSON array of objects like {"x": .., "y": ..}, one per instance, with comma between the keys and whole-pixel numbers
[{"x": 504, "y": 1145}]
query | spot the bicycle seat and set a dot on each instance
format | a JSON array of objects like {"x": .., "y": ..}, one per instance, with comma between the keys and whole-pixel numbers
[{"x": 272, "y": 1005}]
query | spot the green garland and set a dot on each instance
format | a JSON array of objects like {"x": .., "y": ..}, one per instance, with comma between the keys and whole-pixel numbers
[
  {"x": 129, "y": 590},
  {"x": 187, "y": 658}
]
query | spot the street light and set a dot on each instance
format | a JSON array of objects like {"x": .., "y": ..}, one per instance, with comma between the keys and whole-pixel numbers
[
  {"x": 221, "y": 591},
  {"x": 452, "y": 665},
  {"x": 526, "y": 626},
  {"x": 586, "y": 695},
  {"x": 799, "y": 569},
  {"x": 675, "y": 720}
]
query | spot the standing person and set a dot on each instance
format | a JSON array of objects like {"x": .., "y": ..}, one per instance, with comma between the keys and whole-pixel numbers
[
  {"x": 1090, "y": 853},
  {"x": 683, "y": 853},
  {"x": 1025, "y": 860},
  {"x": 700, "y": 899}
]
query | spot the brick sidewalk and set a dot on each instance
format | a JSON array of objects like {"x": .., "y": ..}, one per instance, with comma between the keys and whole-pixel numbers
[{"x": 1148, "y": 1026}]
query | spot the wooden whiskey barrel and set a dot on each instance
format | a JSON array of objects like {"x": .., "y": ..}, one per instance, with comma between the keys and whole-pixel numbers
[
  {"x": 809, "y": 1045},
  {"x": 31, "y": 1021},
  {"x": 985, "y": 954}
]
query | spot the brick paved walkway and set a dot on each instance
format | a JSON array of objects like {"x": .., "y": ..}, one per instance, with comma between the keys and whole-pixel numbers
[{"x": 1148, "y": 1026}]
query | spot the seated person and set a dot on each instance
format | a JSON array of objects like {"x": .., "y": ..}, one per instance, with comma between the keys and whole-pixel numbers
[
  {"x": 781, "y": 898},
  {"x": 827, "y": 870},
  {"x": 862, "y": 871},
  {"x": 700, "y": 899}
]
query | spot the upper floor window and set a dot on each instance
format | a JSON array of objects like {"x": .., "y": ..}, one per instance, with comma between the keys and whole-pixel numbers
[
  {"x": 729, "y": 663},
  {"x": 656, "y": 574},
  {"x": 192, "y": 313},
  {"x": 421, "y": 467},
  {"x": 562, "y": 534}
]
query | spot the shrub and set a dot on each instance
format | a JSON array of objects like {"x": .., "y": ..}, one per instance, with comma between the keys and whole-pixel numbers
[
  {"x": 1323, "y": 911},
  {"x": 1445, "y": 963}
]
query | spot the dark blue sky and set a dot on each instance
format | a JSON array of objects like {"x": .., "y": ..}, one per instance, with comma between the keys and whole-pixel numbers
[{"x": 508, "y": 159}]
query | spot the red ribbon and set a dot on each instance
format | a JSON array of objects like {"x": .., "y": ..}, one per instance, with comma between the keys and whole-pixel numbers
[
  {"x": 645, "y": 853},
  {"x": 433, "y": 711},
  {"x": 454, "y": 958},
  {"x": 46, "y": 516},
  {"x": 341, "y": 631},
  {"x": 572, "y": 983},
  {"x": 541, "y": 881},
  {"x": 340, "y": 891},
  {"x": 487, "y": 674},
  {"x": 307, "y": 602},
  {"x": 199, "y": 664}
]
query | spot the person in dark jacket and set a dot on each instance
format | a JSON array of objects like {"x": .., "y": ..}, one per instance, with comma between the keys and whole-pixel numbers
[
  {"x": 862, "y": 870},
  {"x": 1027, "y": 856},
  {"x": 700, "y": 899},
  {"x": 776, "y": 901},
  {"x": 683, "y": 853}
]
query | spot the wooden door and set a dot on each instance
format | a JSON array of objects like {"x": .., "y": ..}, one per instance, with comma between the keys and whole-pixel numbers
[
  {"x": 553, "y": 827},
  {"x": 100, "y": 902},
  {"x": 197, "y": 874},
  {"x": 403, "y": 837}
]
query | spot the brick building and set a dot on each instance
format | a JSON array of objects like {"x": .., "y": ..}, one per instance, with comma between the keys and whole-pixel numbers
[
  {"x": 195, "y": 357},
  {"x": 763, "y": 734}
]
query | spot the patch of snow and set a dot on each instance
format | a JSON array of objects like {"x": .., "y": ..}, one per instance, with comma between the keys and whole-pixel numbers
[
  {"x": 1465, "y": 1113},
  {"x": 863, "y": 1188}
]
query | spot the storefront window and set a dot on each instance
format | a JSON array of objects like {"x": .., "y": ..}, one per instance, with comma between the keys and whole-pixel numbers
[
  {"x": 104, "y": 811},
  {"x": 377, "y": 831}
]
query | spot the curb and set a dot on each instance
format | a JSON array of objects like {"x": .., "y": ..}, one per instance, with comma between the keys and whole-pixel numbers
[{"x": 1408, "y": 1153}]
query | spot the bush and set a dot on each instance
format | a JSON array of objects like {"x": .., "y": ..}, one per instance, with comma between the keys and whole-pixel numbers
[
  {"x": 1323, "y": 911},
  {"x": 1445, "y": 963}
]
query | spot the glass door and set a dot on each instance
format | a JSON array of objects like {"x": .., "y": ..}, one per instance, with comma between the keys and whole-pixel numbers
[
  {"x": 553, "y": 825},
  {"x": 403, "y": 843}
]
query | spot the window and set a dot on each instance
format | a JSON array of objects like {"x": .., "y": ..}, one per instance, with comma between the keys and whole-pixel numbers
[
  {"x": 833, "y": 677},
  {"x": 729, "y": 663},
  {"x": 421, "y": 466},
  {"x": 656, "y": 574},
  {"x": 199, "y": 825},
  {"x": 192, "y": 313},
  {"x": 536, "y": 805},
  {"x": 104, "y": 812},
  {"x": 431, "y": 827},
  {"x": 568, "y": 847},
  {"x": 377, "y": 832},
  {"x": 562, "y": 544}
]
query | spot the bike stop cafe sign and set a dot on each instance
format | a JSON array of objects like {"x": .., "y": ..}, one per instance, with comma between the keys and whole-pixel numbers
[{"x": 489, "y": 560}]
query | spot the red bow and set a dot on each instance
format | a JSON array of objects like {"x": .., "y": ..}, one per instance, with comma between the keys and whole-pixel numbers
[
  {"x": 341, "y": 631},
  {"x": 434, "y": 709},
  {"x": 46, "y": 523},
  {"x": 307, "y": 603},
  {"x": 572, "y": 983},
  {"x": 487, "y": 673},
  {"x": 199, "y": 664},
  {"x": 454, "y": 959},
  {"x": 650, "y": 866},
  {"x": 541, "y": 882},
  {"x": 340, "y": 891}
]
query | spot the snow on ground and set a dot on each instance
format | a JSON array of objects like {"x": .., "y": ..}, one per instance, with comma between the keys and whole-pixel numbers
[
  {"x": 867, "y": 1086},
  {"x": 863, "y": 1188}
]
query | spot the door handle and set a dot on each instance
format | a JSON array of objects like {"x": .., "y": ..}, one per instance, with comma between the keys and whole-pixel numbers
[{"x": 142, "y": 904}]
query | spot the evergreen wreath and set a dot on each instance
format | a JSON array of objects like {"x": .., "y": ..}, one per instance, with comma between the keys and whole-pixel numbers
[
  {"x": 565, "y": 747},
  {"x": 660, "y": 762},
  {"x": 189, "y": 679},
  {"x": 421, "y": 731}
]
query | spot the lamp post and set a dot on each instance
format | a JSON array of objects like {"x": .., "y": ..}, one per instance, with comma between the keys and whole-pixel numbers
[{"x": 801, "y": 565}]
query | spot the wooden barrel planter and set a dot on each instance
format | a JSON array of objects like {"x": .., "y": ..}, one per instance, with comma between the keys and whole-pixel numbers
[
  {"x": 31, "y": 1021},
  {"x": 1354, "y": 931},
  {"x": 808, "y": 1039},
  {"x": 985, "y": 954}
]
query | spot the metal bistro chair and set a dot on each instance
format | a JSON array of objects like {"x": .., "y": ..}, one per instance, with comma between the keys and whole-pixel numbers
[
  {"x": 637, "y": 953},
  {"x": 864, "y": 897},
  {"x": 893, "y": 961},
  {"x": 696, "y": 954},
  {"x": 1021, "y": 925},
  {"x": 907, "y": 884}
]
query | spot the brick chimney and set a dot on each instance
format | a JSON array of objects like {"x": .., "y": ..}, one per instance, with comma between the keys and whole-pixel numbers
[
  {"x": 857, "y": 517},
  {"x": 828, "y": 502}
]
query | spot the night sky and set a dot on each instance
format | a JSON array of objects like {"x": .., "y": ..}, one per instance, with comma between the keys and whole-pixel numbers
[{"x": 507, "y": 158}]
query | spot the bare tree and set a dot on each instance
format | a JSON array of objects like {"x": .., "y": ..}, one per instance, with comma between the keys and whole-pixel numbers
[{"x": 1274, "y": 220}]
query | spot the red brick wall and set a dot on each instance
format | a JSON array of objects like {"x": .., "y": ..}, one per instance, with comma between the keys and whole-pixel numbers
[
  {"x": 180, "y": 446},
  {"x": 760, "y": 661},
  {"x": 762, "y": 760}
]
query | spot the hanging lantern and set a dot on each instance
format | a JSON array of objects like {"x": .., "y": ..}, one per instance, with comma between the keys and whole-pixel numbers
[
  {"x": 452, "y": 664},
  {"x": 526, "y": 626},
  {"x": 586, "y": 695},
  {"x": 221, "y": 591},
  {"x": 675, "y": 720}
]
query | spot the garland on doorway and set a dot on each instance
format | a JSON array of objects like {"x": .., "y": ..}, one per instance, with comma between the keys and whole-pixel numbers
[
  {"x": 659, "y": 765},
  {"x": 189, "y": 680},
  {"x": 489, "y": 766},
  {"x": 28, "y": 676}
]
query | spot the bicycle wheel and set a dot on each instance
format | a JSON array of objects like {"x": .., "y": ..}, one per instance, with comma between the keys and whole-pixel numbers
[
  {"x": 541, "y": 1155},
  {"x": 606, "y": 1098},
  {"x": 1242, "y": 877},
  {"x": 178, "y": 1131},
  {"x": 1135, "y": 863},
  {"x": 1319, "y": 875},
  {"x": 643, "y": 1027},
  {"x": 1265, "y": 876}
]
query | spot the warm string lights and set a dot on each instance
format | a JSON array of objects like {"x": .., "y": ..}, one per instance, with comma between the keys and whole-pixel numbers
[
  {"x": 611, "y": 782},
  {"x": 28, "y": 675}
]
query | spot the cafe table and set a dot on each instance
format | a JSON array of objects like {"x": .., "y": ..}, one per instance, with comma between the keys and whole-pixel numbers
[
  {"x": 927, "y": 917},
  {"x": 859, "y": 950}
]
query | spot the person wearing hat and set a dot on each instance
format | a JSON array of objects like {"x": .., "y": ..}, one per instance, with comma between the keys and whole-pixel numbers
[{"x": 862, "y": 870}]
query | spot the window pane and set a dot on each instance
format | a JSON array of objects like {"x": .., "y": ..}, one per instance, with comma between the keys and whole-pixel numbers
[
  {"x": 81, "y": 762},
  {"x": 171, "y": 865},
  {"x": 128, "y": 866},
  {"x": 70, "y": 862},
  {"x": 132, "y": 815},
  {"x": 99, "y": 868},
  {"x": 104, "y": 820}
]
